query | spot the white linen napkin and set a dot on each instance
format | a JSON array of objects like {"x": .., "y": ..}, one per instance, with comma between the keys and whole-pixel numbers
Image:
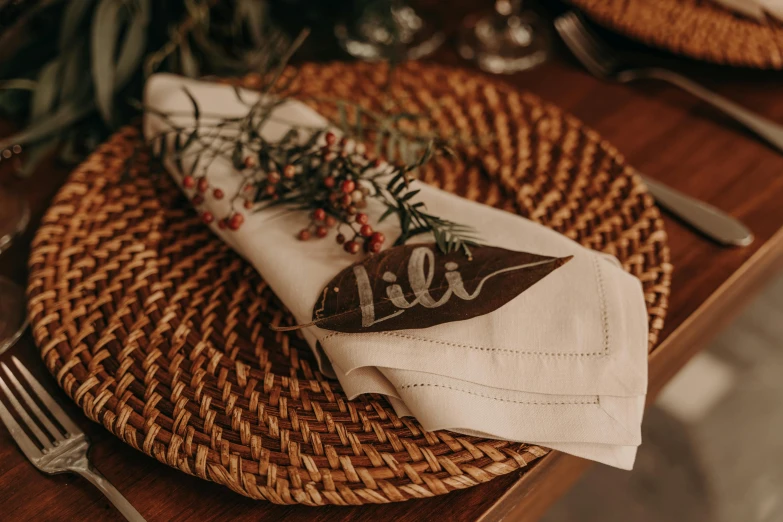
[{"x": 564, "y": 364}]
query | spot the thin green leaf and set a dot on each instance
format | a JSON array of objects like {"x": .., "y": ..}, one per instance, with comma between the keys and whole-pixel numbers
[
  {"x": 179, "y": 146},
  {"x": 191, "y": 138},
  {"x": 63, "y": 117},
  {"x": 196, "y": 161},
  {"x": 188, "y": 62},
  {"x": 162, "y": 148},
  {"x": 238, "y": 93},
  {"x": 22, "y": 84},
  {"x": 398, "y": 189},
  {"x": 255, "y": 16},
  {"x": 196, "y": 111},
  {"x": 134, "y": 47},
  {"x": 236, "y": 157},
  {"x": 395, "y": 179},
  {"x": 74, "y": 88},
  {"x": 45, "y": 94},
  {"x": 73, "y": 16},
  {"x": 389, "y": 212},
  {"x": 286, "y": 57},
  {"x": 105, "y": 32},
  {"x": 410, "y": 195}
]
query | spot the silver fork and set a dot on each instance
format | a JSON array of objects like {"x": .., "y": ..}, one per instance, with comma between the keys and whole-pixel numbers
[
  {"x": 60, "y": 450},
  {"x": 601, "y": 61}
]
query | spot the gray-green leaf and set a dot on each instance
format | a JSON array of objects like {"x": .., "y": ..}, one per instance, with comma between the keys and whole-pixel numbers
[
  {"x": 105, "y": 32},
  {"x": 134, "y": 46},
  {"x": 72, "y": 18},
  {"x": 63, "y": 117},
  {"x": 46, "y": 92}
]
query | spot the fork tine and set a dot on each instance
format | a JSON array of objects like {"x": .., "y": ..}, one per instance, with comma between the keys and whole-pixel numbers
[
  {"x": 570, "y": 35},
  {"x": 43, "y": 439},
  {"x": 592, "y": 41},
  {"x": 31, "y": 404},
  {"x": 55, "y": 409},
  {"x": 16, "y": 431}
]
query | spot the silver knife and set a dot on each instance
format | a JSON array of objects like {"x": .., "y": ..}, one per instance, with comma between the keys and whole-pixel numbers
[{"x": 705, "y": 218}]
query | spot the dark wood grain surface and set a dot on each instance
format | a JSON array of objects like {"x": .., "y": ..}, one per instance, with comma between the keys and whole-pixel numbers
[{"x": 663, "y": 132}]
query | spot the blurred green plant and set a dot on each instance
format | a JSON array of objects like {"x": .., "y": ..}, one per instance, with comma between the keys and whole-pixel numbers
[{"x": 69, "y": 68}]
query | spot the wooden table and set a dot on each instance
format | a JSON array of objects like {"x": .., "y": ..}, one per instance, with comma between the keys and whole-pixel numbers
[{"x": 665, "y": 133}]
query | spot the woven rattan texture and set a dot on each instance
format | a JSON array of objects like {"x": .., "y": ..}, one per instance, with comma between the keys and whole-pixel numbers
[
  {"x": 700, "y": 29},
  {"x": 159, "y": 331}
]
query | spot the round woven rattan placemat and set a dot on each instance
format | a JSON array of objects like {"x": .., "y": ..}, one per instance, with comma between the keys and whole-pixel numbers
[
  {"x": 159, "y": 331},
  {"x": 700, "y": 29}
]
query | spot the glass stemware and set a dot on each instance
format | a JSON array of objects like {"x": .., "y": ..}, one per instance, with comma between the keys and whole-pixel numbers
[
  {"x": 508, "y": 40},
  {"x": 14, "y": 217},
  {"x": 388, "y": 29}
]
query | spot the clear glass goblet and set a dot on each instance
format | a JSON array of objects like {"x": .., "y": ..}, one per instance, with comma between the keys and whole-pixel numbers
[
  {"x": 389, "y": 29},
  {"x": 508, "y": 40}
]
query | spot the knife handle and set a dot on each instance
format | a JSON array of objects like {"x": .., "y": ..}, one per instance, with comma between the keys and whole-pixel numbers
[{"x": 713, "y": 223}]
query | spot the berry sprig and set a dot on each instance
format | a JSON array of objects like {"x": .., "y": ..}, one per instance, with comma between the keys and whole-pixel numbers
[{"x": 310, "y": 170}]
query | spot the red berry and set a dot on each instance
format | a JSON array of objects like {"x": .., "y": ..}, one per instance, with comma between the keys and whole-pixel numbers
[
  {"x": 289, "y": 171},
  {"x": 366, "y": 230},
  {"x": 218, "y": 194},
  {"x": 304, "y": 234},
  {"x": 270, "y": 190},
  {"x": 362, "y": 218},
  {"x": 347, "y": 200},
  {"x": 329, "y": 181},
  {"x": 250, "y": 162},
  {"x": 330, "y": 138},
  {"x": 249, "y": 188},
  {"x": 348, "y": 186},
  {"x": 248, "y": 204},
  {"x": 340, "y": 239},
  {"x": 330, "y": 221},
  {"x": 203, "y": 184},
  {"x": 222, "y": 224},
  {"x": 319, "y": 214},
  {"x": 378, "y": 237},
  {"x": 207, "y": 217},
  {"x": 375, "y": 247},
  {"x": 321, "y": 231},
  {"x": 236, "y": 221},
  {"x": 189, "y": 182},
  {"x": 198, "y": 199},
  {"x": 352, "y": 247},
  {"x": 273, "y": 177}
]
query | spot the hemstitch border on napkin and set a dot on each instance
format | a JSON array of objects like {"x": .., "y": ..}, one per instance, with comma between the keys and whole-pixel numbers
[
  {"x": 532, "y": 403},
  {"x": 508, "y": 351}
]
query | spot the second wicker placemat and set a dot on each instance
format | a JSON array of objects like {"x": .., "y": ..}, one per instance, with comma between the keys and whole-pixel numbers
[
  {"x": 700, "y": 29},
  {"x": 159, "y": 331}
]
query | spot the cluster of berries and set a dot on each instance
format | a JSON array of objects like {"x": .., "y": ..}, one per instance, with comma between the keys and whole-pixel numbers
[
  {"x": 345, "y": 198},
  {"x": 201, "y": 189},
  {"x": 331, "y": 171}
]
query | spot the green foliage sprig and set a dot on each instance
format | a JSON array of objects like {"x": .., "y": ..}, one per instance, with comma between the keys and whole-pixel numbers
[
  {"x": 309, "y": 169},
  {"x": 72, "y": 89}
]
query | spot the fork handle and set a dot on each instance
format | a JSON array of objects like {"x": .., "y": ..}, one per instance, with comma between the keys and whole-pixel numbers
[
  {"x": 106, "y": 487},
  {"x": 768, "y": 130}
]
